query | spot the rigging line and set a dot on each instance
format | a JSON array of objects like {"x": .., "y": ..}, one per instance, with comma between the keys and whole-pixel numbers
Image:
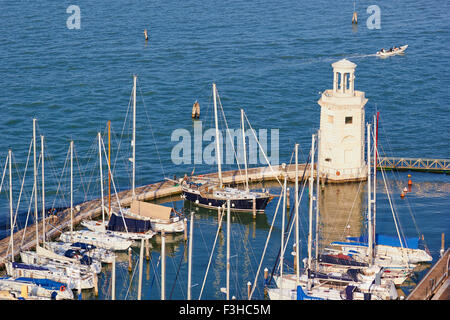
[
  {"x": 115, "y": 190},
  {"x": 91, "y": 153},
  {"x": 26, "y": 220},
  {"x": 291, "y": 225},
  {"x": 290, "y": 217},
  {"x": 151, "y": 130},
  {"x": 114, "y": 164},
  {"x": 4, "y": 173},
  {"x": 265, "y": 246},
  {"x": 178, "y": 271},
  {"x": 265, "y": 157},
  {"x": 394, "y": 206},
  {"x": 131, "y": 280},
  {"x": 392, "y": 209},
  {"x": 21, "y": 187},
  {"x": 64, "y": 202},
  {"x": 155, "y": 276},
  {"x": 228, "y": 131},
  {"x": 219, "y": 225}
]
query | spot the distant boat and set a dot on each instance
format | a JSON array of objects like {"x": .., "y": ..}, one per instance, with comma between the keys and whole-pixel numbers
[{"x": 387, "y": 53}]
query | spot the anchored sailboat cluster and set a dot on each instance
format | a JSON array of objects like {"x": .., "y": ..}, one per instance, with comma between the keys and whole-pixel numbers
[
  {"x": 363, "y": 268},
  {"x": 54, "y": 269}
]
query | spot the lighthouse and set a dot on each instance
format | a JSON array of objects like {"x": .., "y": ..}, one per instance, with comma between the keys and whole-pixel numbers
[{"x": 341, "y": 145}]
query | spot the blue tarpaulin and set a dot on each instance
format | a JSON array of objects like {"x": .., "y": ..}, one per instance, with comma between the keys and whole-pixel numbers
[{"x": 133, "y": 225}]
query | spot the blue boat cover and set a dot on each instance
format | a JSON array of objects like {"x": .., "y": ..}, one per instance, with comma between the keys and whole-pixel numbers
[
  {"x": 412, "y": 243},
  {"x": 45, "y": 283},
  {"x": 27, "y": 266},
  {"x": 133, "y": 225}
]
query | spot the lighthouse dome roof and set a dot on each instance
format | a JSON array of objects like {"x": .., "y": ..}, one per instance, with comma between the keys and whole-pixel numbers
[{"x": 344, "y": 64}]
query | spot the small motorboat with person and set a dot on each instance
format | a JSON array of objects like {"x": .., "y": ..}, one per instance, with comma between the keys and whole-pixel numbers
[{"x": 392, "y": 51}]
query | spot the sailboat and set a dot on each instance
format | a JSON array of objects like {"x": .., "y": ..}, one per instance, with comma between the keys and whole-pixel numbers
[
  {"x": 316, "y": 282},
  {"x": 212, "y": 195},
  {"x": 395, "y": 254},
  {"x": 82, "y": 249},
  {"x": 43, "y": 256},
  {"x": 70, "y": 274}
]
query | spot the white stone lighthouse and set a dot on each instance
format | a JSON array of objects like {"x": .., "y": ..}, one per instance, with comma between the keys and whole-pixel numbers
[{"x": 342, "y": 127}]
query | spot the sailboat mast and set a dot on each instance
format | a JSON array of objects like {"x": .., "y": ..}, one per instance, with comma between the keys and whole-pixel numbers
[
  {"x": 43, "y": 191},
  {"x": 217, "y": 136},
  {"x": 71, "y": 186},
  {"x": 317, "y": 196},
  {"x": 369, "y": 200},
  {"x": 35, "y": 184},
  {"x": 101, "y": 176},
  {"x": 133, "y": 142},
  {"x": 109, "y": 168},
  {"x": 191, "y": 238},
  {"x": 297, "y": 244},
  {"x": 311, "y": 200},
  {"x": 11, "y": 207},
  {"x": 228, "y": 248},
  {"x": 245, "y": 149}
]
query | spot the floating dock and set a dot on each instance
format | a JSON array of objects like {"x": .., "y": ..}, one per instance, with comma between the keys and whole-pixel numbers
[{"x": 435, "y": 285}]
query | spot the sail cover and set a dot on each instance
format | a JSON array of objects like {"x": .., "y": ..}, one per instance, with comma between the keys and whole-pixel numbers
[
  {"x": 150, "y": 210},
  {"x": 116, "y": 223}
]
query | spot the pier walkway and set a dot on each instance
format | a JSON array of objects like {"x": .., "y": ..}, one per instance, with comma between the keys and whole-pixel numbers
[
  {"x": 435, "y": 285},
  {"x": 416, "y": 164}
]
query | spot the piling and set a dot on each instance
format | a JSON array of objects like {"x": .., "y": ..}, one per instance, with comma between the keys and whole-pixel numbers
[
  {"x": 249, "y": 290},
  {"x": 355, "y": 18},
  {"x": 113, "y": 276},
  {"x": 145, "y": 34},
  {"x": 129, "y": 260},
  {"x": 196, "y": 110},
  {"x": 185, "y": 230},
  {"x": 266, "y": 280},
  {"x": 288, "y": 202},
  {"x": 442, "y": 244},
  {"x": 95, "y": 285},
  {"x": 147, "y": 249}
]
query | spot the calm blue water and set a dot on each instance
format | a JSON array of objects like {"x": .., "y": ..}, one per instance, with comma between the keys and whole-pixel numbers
[{"x": 270, "y": 58}]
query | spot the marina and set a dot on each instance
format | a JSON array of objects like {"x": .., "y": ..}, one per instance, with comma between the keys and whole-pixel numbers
[{"x": 320, "y": 172}]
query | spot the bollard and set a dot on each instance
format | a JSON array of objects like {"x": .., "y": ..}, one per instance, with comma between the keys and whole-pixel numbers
[{"x": 129, "y": 260}]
